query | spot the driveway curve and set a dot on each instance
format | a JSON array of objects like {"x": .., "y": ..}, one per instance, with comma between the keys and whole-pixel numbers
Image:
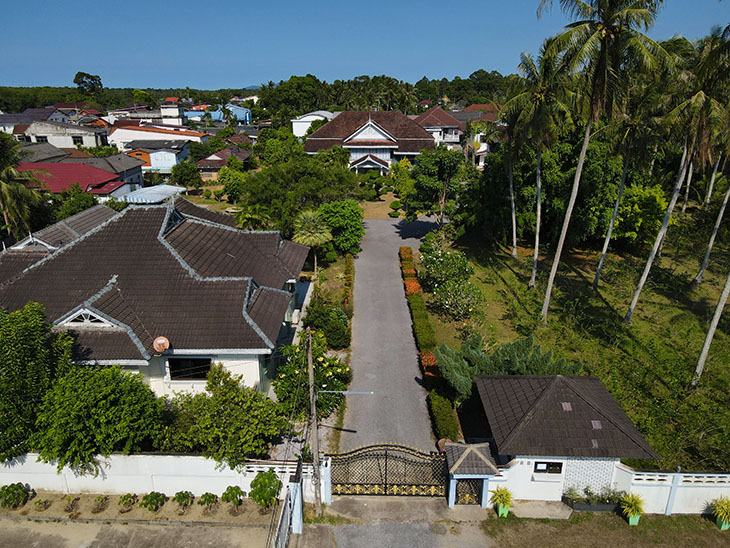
[{"x": 384, "y": 359}]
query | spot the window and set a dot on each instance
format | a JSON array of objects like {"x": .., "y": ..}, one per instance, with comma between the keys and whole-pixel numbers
[
  {"x": 41, "y": 139},
  {"x": 549, "y": 467},
  {"x": 78, "y": 140},
  {"x": 189, "y": 368}
]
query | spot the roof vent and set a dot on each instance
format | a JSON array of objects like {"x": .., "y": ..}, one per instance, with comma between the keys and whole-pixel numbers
[
  {"x": 596, "y": 425},
  {"x": 161, "y": 344},
  {"x": 566, "y": 406}
]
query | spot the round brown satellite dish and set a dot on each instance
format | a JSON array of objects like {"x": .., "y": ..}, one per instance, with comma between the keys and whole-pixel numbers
[{"x": 161, "y": 344}]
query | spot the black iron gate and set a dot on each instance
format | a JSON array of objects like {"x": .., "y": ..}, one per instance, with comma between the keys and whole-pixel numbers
[{"x": 389, "y": 470}]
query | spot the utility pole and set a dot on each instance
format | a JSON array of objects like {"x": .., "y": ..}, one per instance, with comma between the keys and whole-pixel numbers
[{"x": 315, "y": 433}]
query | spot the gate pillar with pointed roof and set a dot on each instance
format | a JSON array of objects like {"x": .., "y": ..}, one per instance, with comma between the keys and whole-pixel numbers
[{"x": 470, "y": 463}]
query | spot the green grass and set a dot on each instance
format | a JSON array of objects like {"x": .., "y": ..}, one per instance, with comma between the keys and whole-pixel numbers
[{"x": 646, "y": 365}]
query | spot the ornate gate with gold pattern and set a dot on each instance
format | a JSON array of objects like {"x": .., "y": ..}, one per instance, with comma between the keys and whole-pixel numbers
[{"x": 389, "y": 469}]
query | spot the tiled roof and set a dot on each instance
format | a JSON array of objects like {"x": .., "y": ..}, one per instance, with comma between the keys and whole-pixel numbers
[
  {"x": 472, "y": 459},
  {"x": 154, "y": 129},
  {"x": 69, "y": 229},
  {"x": 72, "y": 105},
  {"x": 14, "y": 262},
  {"x": 371, "y": 158},
  {"x": 437, "y": 117},
  {"x": 155, "y": 144},
  {"x": 76, "y": 153},
  {"x": 39, "y": 113},
  {"x": 130, "y": 272},
  {"x": 189, "y": 209},
  {"x": 561, "y": 416},
  {"x": 218, "y": 159},
  {"x": 465, "y": 116},
  {"x": 409, "y": 135},
  {"x": 117, "y": 163},
  {"x": 488, "y": 107},
  {"x": 107, "y": 188},
  {"x": 42, "y": 152},
  {"x": 57, "y": 177}
]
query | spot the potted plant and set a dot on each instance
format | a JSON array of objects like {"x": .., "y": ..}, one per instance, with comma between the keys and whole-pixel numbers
[
  {"x": 502, "y": 497},
  {"x": 721, "y": 511},
  {"x": 632, "y": 506}
]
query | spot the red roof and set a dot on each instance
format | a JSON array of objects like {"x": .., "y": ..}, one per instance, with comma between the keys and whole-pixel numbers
[
  {"x": 438, "y": 117},
  {"x": 171, "y": 99},
  {"x": 59, "y": 177},
  {"x": 106, "y": 188},
  {"x": 19, "y": 129},
  {"x": 483, "y": 106},
  {"x": 91, "y": 111}
]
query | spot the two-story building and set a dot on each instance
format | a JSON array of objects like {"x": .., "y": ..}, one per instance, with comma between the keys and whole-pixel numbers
[
  {"x": 65, "y": 135},
  {"x": 443, "y": 127}
]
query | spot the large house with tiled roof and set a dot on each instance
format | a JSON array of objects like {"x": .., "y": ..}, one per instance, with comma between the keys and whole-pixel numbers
[
  {"x": 375, "y": 140},
  {"x": 58, "y": 177},
  {"x": 164, "y": 290}
]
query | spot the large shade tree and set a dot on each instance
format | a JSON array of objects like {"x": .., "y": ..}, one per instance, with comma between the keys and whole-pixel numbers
[{"x": 604, "y": 36}]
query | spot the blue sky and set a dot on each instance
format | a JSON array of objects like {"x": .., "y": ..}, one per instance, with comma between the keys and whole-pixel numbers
[{"x": 223, "y": 43}]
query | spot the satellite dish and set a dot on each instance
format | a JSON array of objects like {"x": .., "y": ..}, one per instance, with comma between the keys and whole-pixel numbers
[{"x": 161, "y": 344}]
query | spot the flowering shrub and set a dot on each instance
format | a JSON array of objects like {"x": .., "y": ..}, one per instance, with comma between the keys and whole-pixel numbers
[
  {"x": 458, "y": 299},
  {"x": 428, "y": 361},
  {"x": 409, "y": 272},
  {"x": 412, "y": 286},
  {"x": 406, "y": 253},
  {"x": 440, "y": 266},
  {"x": 290, "y": 384}
]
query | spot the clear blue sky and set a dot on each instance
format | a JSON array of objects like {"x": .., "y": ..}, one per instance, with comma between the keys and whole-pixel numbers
[{"x": 223, "y": 43}]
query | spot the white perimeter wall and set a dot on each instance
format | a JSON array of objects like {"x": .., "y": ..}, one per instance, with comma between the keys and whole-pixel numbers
[{"x": 142, "y": 474}]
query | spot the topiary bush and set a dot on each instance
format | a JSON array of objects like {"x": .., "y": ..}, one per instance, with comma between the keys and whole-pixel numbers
[
  {"x": 394, "y": 214},
  {"x": 337, "y": 329},
  {"x": 443, "y": 417},
  {"x": 395, "y": 205}
]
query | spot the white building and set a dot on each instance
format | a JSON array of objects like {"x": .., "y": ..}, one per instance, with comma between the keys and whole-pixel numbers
[
  {"x": 301, "y": 124},
  {"x": 158, "y": 156},
  {"x": 65, "y": 135},
  {"x": 124, "y": 135}
]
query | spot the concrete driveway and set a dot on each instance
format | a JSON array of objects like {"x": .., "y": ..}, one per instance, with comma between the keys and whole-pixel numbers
[{"x": 384, "y": 358}]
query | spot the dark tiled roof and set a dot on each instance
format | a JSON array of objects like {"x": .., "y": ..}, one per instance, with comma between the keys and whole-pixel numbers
[
  {"x": 438, "y": 117},
  {"x": 369, "y": 157},
  {"x": 558, "y": 416},
  {"x": 189, "y": 209},
  {"x": 14, "y": 262},
  {"x": 71, "y": 228},
  {"x": 152, "y": 144},
  {"x": 117, "y": 163},
  {"x": 409, "y": 135},
  {"x": 39, "y": 113},
  {"x": 474, "y": 115},
  {"x": 42, "y": 152},
  {"x": 134, "y": 278},
  {"x": 473, "y": 459},
  {"x": 218, "y": 159}
]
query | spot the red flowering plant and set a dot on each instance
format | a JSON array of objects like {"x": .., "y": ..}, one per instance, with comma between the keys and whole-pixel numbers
[{"x": 412, "y": 286}]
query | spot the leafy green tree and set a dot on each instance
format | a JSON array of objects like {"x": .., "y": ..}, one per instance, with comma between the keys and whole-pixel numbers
[
  {"x": 94, "y": 411},
  {"x": 264, "y": 488},
  {"x": 73, "y": 200},
  {"x": 344, "y": 219},
  {"x": 88, "y": 84},
  {"x": 232, "y": 423},
  {"x": 310, "y": 229},
  {"x": 16, "y": 199},
  {"x": 31, "y": 358},
  {"x": 101, "y": 151},
  {"x": 233, "y": 181},
  {"x": 278, "y": 146},
  {"x": 144, "y": 97},
  {"x": 522, "y": 357},
  {"x": 335, "y": 156},
  {"x": 400, "y": 175},
  {"x": 434, "y": 184},
  {"x": 186, "y": 174},
  {"x": 604, "y": 39}
]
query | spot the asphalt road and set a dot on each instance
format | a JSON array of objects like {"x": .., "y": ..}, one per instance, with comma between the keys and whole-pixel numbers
[{"x": 384, "y": 358}]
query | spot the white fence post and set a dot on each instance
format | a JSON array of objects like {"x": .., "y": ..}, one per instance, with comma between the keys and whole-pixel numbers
[{"x": 326, "y": 483}]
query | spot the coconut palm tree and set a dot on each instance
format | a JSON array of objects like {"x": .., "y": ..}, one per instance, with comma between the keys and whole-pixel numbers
[
  {"x": 541, "y": 109},
  {"x": 311, "y": 229},
  {"x": 711, "y": 332},
  {"x": 698, "y": 115},
  {"x": 16, "y": 197},
  {"x": 602, "y": 41}
]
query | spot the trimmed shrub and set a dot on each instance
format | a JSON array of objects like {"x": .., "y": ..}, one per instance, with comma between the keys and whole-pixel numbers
[
  {"x": 394, "y": 214},
  {"x": 422, "y": 329},
  {"x": 406, "y": 253},
  {"x": 445, "y": 424},
  {"x": 337, "y": 329},
  {"x": 395, "y": 205},
  {"x": 412, "y": 286},
  {"x": 440, "y": 266},
  {"x": 409, "y": 272},
  {"x": 207, "y": 193}
]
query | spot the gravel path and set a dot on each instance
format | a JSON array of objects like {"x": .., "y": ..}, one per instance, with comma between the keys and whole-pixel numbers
[{"x": 384, "y": 358}]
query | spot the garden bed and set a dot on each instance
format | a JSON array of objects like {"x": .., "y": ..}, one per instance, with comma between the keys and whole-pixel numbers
[{"x": 86, "y": 508}]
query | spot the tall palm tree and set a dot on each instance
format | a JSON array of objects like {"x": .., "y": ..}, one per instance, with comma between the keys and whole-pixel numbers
[
  {"x": 711, "y": 332},
  {"x": 601, "y": 41},
  {"x": 506, "y": 126},
  {"x": 541, "y": 109},
  {"x": 637, "y": 129},
  {"x": 16, "y": 197},
  {"x": 698, "y": 114},
  {"x": 311, "y": 229}
]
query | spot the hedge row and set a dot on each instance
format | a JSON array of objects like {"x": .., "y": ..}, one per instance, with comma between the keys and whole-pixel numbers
[
  {"x": 422, "y": 329},
  {"x": 445, "y": 423},
  {"x": 348, "y": 302}
]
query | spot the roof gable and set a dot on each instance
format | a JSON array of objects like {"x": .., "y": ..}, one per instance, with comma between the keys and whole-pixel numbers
[
  {"x": 437, "y": 117},
  {"x": 370, "y": 132},
  {"x": 558, "y": 416}
]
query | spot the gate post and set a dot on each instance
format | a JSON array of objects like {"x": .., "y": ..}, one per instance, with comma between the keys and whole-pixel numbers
[
  {"x": 326, "y": 476},
  {"x": 452, "y": 491},
  {"x": 297, "y": 518}
]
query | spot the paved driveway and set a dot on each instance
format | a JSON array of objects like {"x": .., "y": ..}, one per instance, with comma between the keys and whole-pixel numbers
[{"x": 384, "y": 358}]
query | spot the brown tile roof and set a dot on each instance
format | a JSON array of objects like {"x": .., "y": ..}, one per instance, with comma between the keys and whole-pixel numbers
[
  {"x": 13, "y": 262},
  {"x": 69, "y": 229},
  {"x": 128, "y": 271},
  {"x": 116, "y": 163},
  {"x": 76, "y": 153},
  {"x": 472, "y": 459},
  {"x": 560, "y": 416},
  {"x": 189, "y": 209},
  {"x": 438, "y": 117},
  {"x": 488, "y": 107},
  {"x": 371, "y": 158},
  {"x": 409, "y": 135},
  {"x": 222, "y": 157}
]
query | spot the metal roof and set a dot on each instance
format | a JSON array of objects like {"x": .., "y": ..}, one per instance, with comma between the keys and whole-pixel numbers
[{"x": 153, "y": 194}]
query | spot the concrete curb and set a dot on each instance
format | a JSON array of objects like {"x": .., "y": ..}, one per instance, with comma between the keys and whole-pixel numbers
[{"x": 132, "y": 522}]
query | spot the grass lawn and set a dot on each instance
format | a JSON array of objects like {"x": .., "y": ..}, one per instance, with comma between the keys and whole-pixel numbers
[
  {"x": 378, "y": 209},
  {"x": 646, "y": 365},
  {"x": 209, "y": 203}
]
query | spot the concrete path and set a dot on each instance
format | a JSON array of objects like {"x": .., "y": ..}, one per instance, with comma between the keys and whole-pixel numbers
[
  {"x": 384, "y": 358},
  {"x": 96, "y": 535}
]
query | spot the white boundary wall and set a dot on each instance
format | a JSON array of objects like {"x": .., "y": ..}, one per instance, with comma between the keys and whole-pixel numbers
[{"x": 141, "y": 474}]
